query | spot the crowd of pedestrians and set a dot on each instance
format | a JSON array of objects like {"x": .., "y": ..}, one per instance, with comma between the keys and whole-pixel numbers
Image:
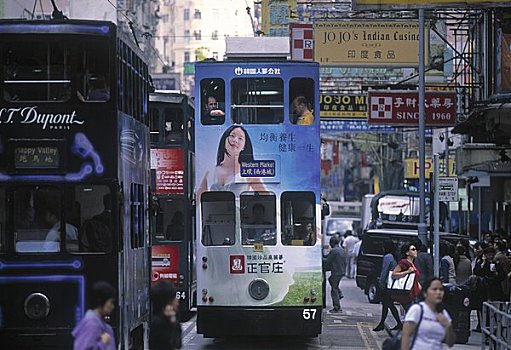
[{"x": 483, "y": 268}]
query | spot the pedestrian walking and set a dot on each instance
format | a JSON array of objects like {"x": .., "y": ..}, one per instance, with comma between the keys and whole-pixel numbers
[
  {"x": 404, "y": 267},
  {"x": 348, "y": 244},
  {"x": 165, "y": 330},
  {"x": 335, "y": 262},
  {"x": 424, "y": 262},
  {"x": 93, "y": 332},
  {"x": 388, "y": 264},
  {"x": 428, "y": 320}
]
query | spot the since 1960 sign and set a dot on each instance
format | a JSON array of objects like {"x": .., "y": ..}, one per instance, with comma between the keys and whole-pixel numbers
[{"x": 402, "y": 108}]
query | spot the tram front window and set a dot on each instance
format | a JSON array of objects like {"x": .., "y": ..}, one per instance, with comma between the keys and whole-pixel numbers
[
  {"x": 258, "y": 218},
  {"x": 44, "y": 214},
  {"x": 298, "y": 218},
  {"x": 218, "y": 218},
  {"x": 170, "y": 220}
]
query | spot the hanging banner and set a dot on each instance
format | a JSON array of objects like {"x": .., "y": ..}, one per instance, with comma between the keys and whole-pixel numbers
[{"x": 402, "y": 108}]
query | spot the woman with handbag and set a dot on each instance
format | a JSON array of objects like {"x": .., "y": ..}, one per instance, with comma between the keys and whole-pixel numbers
[
  {"x": 427, "y": 324},
  {"x": 388, "y": 264},
  {"x": 404, "y": 268}
]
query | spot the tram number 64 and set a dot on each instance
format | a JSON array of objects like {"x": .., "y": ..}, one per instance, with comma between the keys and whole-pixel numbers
[
  {"x": 180, "y": 295},
  {"x": 309, "y": 314}
]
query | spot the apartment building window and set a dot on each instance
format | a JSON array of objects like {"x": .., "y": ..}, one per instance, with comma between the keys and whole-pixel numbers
[
  {"x": 197, "y": 34},
  {"x": 187, "y": 56},
  {"x": 215, "y": 55},
  {"x": 186, "y": 14},
  {"x": 187, "y": 35},
  {"x": 214, "y": 35},
  {"x": 197, "y": 14}
]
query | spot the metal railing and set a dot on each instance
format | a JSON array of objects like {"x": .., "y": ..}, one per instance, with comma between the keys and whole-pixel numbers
[{"x": 496, "y": 325}]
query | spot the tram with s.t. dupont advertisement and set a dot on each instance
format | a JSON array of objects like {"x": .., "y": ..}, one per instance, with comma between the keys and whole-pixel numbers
[{"x": 74, "y": 180}]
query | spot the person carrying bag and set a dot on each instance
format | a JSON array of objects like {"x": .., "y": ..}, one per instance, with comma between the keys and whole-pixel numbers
[{"x": 406, "y": 290}]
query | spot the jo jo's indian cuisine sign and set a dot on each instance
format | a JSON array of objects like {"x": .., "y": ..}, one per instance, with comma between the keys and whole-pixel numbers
[
  {"x": 343, "y": 106},
  {"x": 402, "y": 108},
  {"x": 408, "y": 4},
  {"x": 367, "y": 43}
]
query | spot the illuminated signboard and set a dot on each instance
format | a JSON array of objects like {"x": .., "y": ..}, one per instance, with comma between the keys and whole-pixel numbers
[{"x": 29, "y": 156}]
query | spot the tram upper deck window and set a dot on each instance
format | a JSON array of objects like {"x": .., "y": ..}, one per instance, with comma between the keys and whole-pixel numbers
[
  {"x": 212, "y": 101},
  {"x": 301, "y": 97},
  {"x": 298, "y": 218},
  {"x": 169, "y": 220},
  {"x": 258, "y": 218},
  {"x": 257, "y": 100},
  {"x": 218, "y": 218},
  {"x": 35, "y": 71},
  {"x": 174, "y": 129}
]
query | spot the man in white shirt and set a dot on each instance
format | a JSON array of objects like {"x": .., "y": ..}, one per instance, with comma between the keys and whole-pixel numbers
[
  {"x": 53, "y": 217},
  {"x": 348, "y": 244}
]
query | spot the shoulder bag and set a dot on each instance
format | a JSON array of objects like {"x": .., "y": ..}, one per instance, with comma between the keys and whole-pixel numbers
[{"x": 394, "y": 341}]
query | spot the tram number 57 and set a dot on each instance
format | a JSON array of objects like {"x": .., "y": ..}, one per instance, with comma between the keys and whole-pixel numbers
[{"x": 309, "y": 314}]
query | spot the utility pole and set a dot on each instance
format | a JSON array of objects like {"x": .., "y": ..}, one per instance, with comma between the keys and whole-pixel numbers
[{"x": 422, "y": 139}]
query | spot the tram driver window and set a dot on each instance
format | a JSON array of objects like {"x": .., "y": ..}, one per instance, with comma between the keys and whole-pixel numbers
[
  {"x": 218, "y": 218},
  {"x": 301, "y": 98},
  {"x": 169, "y": 219},
  {"x": 212, "y": 101},
  {"x": 258, "y": 218},
  {"x": 257, "y": 100},
  {"x": 298, "y": 218}
]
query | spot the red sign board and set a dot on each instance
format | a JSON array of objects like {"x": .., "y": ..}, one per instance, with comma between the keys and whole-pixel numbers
[
  {"x": 402, "y": 108},
  {"x": 169, "y": 165},
  {"x": 165, "y": 263},
  {"x": 237, "y": 264}
]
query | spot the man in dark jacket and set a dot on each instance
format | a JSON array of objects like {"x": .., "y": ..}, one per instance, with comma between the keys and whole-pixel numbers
[
  {"x": 335, "y": 262},
  {"x": 424, "y": 262}
]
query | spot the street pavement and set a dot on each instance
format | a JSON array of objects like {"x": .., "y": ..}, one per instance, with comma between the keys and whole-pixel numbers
[{"x": 351, "y": 329}]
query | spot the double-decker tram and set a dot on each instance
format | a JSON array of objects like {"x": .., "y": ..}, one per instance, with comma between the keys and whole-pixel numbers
[
  {"x": 258, "y": 198},
  {"x": 172, "y": 165},
  {"x": 74, "y": 154}
]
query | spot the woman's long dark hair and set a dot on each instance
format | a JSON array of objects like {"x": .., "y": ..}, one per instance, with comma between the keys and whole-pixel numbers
[
  {"x": 247, "y": 154},
  {"x": 405, "y": 248}
]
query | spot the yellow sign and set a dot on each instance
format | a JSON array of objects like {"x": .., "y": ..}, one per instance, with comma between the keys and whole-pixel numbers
[
  {"x": 367, "y": 43},
  {"x": 404, "y": 4},
  {"x": 411, "y": 167},
  {"x": 346, "y": 106},
  {"x": 276, "y": 16}
]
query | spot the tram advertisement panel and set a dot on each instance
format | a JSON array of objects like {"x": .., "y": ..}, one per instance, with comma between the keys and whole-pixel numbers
[
  {"x": 165, "y": 263},
  {"x": 259, "y": 224}
]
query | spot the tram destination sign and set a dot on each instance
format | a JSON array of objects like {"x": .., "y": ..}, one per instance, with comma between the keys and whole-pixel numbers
[
  {"x": 414, "y": 4},
  {"x": 28, "y": 156},
  {"x": 402, "y": 108}
]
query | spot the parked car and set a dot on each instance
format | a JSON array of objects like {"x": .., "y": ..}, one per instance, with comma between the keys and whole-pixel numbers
[{"x": 370, "y": 257}]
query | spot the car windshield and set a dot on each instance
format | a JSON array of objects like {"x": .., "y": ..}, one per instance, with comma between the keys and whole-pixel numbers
[{"x": 340, "y": 225}]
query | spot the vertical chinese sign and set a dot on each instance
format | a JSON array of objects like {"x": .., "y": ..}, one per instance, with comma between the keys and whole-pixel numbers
[{"x": 169, "y": 166}]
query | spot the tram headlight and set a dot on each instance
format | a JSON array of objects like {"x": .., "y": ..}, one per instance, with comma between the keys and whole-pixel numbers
[
  {"x": 37, "y": 306},
  {"x": 204, "y": 266},
  {"x": 313, "y": 292},
  {"x": 211, "y": 299},
  {"x": 205, "y": 259},
  {"x": 306, "y": 299}
]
